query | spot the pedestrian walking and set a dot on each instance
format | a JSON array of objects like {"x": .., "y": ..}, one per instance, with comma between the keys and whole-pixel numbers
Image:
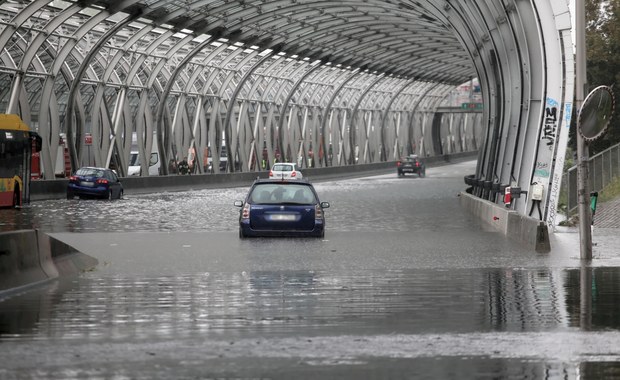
[{"x": 184, "y": 166}]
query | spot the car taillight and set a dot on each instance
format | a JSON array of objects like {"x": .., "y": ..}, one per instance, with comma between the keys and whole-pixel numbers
[
  {"x": 417, "y": 164},
  {"x": 271, "y": 173},
  {"x": 73, "y": 179},
  {"x": 294, "y": 174},
  {"x": 245, "y": 212},
  {"x": 398, "y": 163},
  {"x": 318, "y": 211},
  {"x": 102, "y": 181}
]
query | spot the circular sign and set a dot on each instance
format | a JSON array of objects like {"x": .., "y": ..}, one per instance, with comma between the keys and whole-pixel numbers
[
  {"x": 88, "y": 139},
  {"x": 595, "y": 113}
]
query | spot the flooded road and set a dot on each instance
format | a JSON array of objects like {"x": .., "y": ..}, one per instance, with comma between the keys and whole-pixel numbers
[{"x": 404, "y": 285}]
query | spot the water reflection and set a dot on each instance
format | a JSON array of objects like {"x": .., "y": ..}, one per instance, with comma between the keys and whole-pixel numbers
[
  {"x": 25, "y": 313},
  {"x": 307, "y": 308},
  {"x": 592, "y": 297},
  {"x": 276, "y": 302},
  {"x": 447, "y": 323}
]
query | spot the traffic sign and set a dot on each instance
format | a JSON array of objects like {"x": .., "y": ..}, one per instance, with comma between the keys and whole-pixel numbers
[{"x": 471, "y": 106}]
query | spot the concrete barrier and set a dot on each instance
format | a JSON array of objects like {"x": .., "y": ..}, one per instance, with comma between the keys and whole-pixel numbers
[
  {"x": 531, "y": 232},
  {"x": 31, "y": 257},
  {"x": 57, "y": 189}
]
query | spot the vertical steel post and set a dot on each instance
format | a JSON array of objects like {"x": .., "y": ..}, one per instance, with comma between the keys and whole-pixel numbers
[{"x": 583, "y": 195}]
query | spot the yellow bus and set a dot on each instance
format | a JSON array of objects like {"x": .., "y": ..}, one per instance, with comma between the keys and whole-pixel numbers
[{"x": 17, "y": 144}]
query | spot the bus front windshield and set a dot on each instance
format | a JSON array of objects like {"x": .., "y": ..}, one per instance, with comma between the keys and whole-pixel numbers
[{"x": 15, "y": 158}]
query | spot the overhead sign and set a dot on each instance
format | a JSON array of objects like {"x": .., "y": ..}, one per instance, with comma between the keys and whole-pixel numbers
[{"x": 471, "y": 106}]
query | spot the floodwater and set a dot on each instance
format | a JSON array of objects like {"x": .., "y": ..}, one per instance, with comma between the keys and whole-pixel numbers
[{"x": 404, "y": 285}]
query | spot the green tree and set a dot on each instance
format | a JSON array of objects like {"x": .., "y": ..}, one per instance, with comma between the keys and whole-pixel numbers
[{"x": 603, "y": 59}]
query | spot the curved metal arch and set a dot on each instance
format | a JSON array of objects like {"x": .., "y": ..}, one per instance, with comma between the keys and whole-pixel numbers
[
  {"x": 332, "y": 5},
  {"x": 73, "y": 147},
  {"x": 555, "y": 110},
  {"x": 385, "y": 117},
  {"x": 323, "y": 79},
  {"x": 528, "y": 75},
  {"x": 353, "y": 89},
  {"x": 49, "y": 116},
  {"x": 326, "y": 111},
  {"x": 521, "y": 49},
  {"x": 378, "y": 92},
  {"x": 512, "y": 78},
  {"x": 497, "y": 78},
  {"x": 353, "y": 134},
  {"x": 425, "y": 90},
  {"x": 268, "y": 138},
  {"x": 473, "y": 42},
  {"x": 143, "y": 123},
  {"x": 233, "y": 99},
  {"x": 258, "y": 86},
  {"x": 270, "y": 90},
  {"x": 383, "y": 98},
  {"x": 18, "y": 93},
  {"x": 298, "y": 83},
  {"x": 33, "y": 46},
  {"x": 368, "y": 12},
  {"x": 49, "y": 149},
  {"x": 213, "y": 77},
  {"x": 20, "y": 18},
  {"x": 154, "y": 44},
  {"x": 161, "y": 139},
  {"x": 297, "y": 76}
]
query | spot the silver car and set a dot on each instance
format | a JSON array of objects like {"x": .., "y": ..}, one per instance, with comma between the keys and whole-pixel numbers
[{"x": 285, "y": 170}]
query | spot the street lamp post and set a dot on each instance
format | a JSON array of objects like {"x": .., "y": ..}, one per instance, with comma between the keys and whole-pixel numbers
[{"x": 595, "y": 113}]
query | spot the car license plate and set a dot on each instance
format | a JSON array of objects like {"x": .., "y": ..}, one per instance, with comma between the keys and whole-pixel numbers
[
  {"x": 87, "y": 184},
  {"x": 283, "y": 217}
]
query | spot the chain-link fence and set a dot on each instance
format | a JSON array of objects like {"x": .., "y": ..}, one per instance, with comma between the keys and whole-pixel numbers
[{"x": 602, "y": 169}]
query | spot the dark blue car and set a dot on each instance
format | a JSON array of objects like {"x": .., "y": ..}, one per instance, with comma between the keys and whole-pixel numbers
[
  {"x": 89, "y": 182},
  {"x": 281, "y": 208}
]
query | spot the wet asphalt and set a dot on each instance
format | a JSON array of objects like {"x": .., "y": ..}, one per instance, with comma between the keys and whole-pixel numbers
[{"x": 405, "y": 284}]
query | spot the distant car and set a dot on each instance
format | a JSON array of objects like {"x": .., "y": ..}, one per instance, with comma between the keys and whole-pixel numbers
[
  {"x": 411, "y": 164},
  {"x": 276, "y": 207},
  {"x": 135, "y": 169},
  {"x": 285, "y": 170},
  {"x": 91, "y": 182}
]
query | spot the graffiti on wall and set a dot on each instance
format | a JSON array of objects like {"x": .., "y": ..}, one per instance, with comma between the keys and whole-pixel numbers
[
  {"x": 550, "y": 127},
  {"x": 556, "y": 183},
  {"x": 542, "y": 169}
]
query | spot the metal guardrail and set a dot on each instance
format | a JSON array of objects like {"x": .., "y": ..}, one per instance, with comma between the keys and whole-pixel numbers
[{"x": 603, "y": 168}]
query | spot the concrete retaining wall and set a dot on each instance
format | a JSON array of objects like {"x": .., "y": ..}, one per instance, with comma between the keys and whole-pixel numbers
[
  {"x": 30, "y": 257},
  {"x": 526, "y": 230}
]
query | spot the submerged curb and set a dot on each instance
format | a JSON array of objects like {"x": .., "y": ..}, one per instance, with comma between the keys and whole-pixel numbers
[{"x": 31, "y": 257}]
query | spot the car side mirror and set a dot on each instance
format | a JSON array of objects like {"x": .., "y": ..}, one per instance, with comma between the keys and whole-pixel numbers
[
  {"x": 238, "y": 203},
  {"x": 324, "y": 204}
]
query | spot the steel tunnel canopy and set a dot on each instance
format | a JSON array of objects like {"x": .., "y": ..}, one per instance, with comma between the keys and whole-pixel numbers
[
  {"x": 402, "y": 38},
  {"x": 366, "y": 77}
]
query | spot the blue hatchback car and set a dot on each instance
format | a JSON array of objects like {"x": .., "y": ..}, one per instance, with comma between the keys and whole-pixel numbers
[
  {"x": 281, "y": 208},
  {"x": 90, "y": 182}
]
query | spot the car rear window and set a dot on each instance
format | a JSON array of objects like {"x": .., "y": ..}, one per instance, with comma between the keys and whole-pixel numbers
[
  {"x": 90, "y": 172},
  {"x": 282, "y": 168},
  {"x": 274, "y": 193}
]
